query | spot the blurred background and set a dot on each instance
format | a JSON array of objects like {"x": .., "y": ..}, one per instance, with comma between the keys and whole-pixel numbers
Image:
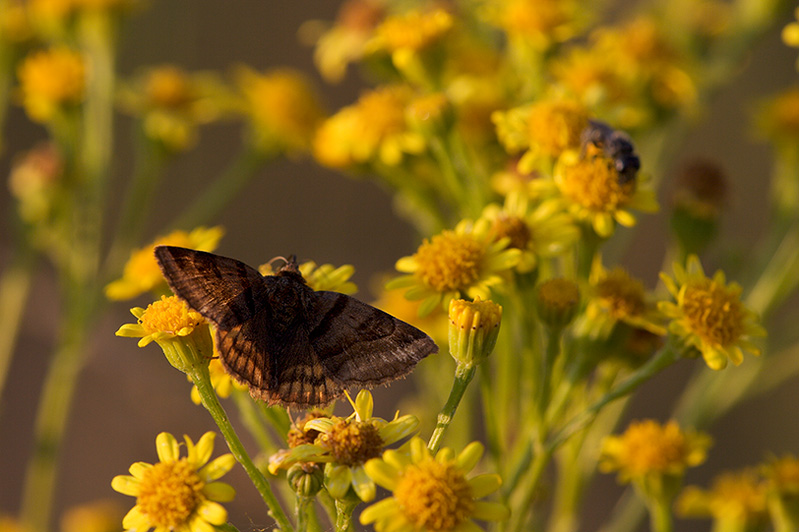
[{"x": 127, "y": 395}]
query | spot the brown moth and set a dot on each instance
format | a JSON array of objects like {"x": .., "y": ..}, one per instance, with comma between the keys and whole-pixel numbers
[{"x": 291, "y": 345}]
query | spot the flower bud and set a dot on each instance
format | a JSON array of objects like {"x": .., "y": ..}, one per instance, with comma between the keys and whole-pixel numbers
[{"x": 473, "y": 330}]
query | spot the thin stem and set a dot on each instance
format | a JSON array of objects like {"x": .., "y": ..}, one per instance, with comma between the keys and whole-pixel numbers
[
  {"x": 528, "y": 491},
  {"x": 660, "y": 516},
  {"x": 219, "y": 193},
  {"x": 463, "y": 376},
  {"x": 302, "y": 506},
  {"x": 344, "y": 509},
  {"x": 664, "y": 358},
  {"x": 199, "y": 376}
]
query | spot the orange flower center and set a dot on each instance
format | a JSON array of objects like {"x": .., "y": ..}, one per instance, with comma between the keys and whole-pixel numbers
[
  {"x": 353, "y": 442},
  {"x": 594, "y": 184},
  {"x": 621, "y": 295}
]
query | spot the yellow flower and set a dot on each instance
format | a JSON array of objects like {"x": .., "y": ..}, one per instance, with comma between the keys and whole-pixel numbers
[
  {"x": 99, "y": 516},
  {"x": 172, "y": 103},
  {"x": 543, "y": 230},
  {"x": 538, "y": 22},
  {"x": 14, "y": 24},
  {"x": 790, "y": 33},
  {"x": 596, "y": 194},
  {"x": 321, "y": 277},
  {"x": 50, "y": 80},
  {"x": 172, "y": 325},
  {"x": 648, "y": 448},
  {"x": 544, "y": 129},
  {"x": 142, "y": 274},
  {"x": 432, "y": 494},
  {"x": 177, "y": 493},
  {"x": 614, "y": 295},
  {"x": 283, "y": 108},
  {"x": 375, "y": 128},
  {"x": 473, "y": 330},
  {"x": 9, "y": 524},
  {"x": 411, "y": 31},
  {"x": 708, "y": 315},
  {"x": 735, "y": 500},
  {"x": 345, "y": 42},
  {"x": 463, "y": 262},
  {"x": 345, "y": 444}
]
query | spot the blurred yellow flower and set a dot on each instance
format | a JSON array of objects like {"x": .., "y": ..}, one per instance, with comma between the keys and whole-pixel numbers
[
  {"x": 142, "y": 274},
  {"x": 736, "y": 501},
  {"x": 648, "y": 448},
  {"x": 172, "y": 103},
  {"x": 283, "y": 109},
  {"x": 410, "y": 32},
  {"x": 709, "y": 316},
  {"x": 51, "y": 80},
  {"x": 375, "y": 129},
  {"x": 99, "y": 516},
  {"x": 778, "y": 118},
  {"x": 540, "y": 23},
  {"x": 178, "y": 493}
]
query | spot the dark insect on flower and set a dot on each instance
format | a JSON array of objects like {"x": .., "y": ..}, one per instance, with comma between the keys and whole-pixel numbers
[{"x": 614, "y": 144}]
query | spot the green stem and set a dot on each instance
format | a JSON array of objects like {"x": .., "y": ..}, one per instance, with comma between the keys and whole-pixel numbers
[
  {"x": 660, "y": 516},
  {"x": 528, "y": 491},
  {"x": 14, "y": 288},
  {"x": 553, "y": 349},
  {"x": 253, "y": 422},
  {"x": 303, "y": 505},
  {"x": 219, "y": 193},
  {"x": 344, "y": 509},
  {"x": 56, "y": 400},
  {"x": 664, "y": 358},
  {"x": 201, "y": 379},
  {"x": 463, "y": 376}
]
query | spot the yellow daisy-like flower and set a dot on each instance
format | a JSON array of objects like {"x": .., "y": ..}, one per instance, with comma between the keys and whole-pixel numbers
[
  {"x": 51, "y": 79},
  {"x": 172, "y": 103},
  {"x": 543, "y": 230},
  {"x": 708, "y": 314},
  {"x": 374, "y": 128},
  {"x": 410, "y": 32},
  {"x": 283, "y": 109},
  {"x": 345, "y": 445},
  {"x": 542, "y": 130},
  {"x": 322, "y": 277},
  {"x": 14, "y": 24},
  {"x": 790, "y": 33},
  {"x": 538, "y": 22},
  {"x": 735, "y": 501},
  {"x": 614, "y": 295},
  {"x": 596, "y": 194},
  {"x": 648, "y": 448},
  {"x": 178, "y": 494},
  {"x": 465, "y": 262},
  {"x": 142, "y": 274},
  {"x": 432, "y": 493},
  {"x": 182, "y": 333}
]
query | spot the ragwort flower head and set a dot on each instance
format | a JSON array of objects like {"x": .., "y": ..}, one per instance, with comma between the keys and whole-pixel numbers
[
  {"x": 97, "y": 516},
  {"x": 541, "y": 23},
  {"x": 283, "y": 108},
  {"x": 173, "y": 103},
  {"x": 432, "y": 493},
  {"x": 614, "y": 295},
  {"x": 648, "y": 448},
  {"x": 596, "y": 194},
  {"x": 464, "y": 262},
  {"x": 182, "y": 333},
  {"x": 51, "y": 80},
  {"x": 709, "y": 316},
  {"x": 736, "y": 501},
  {"x": 345, "y": 445},
  {"x": 410, "y": 32},
  {"x": 375, "y": 128},
  {"x": 142, "y": 274},
  {"x": 536, "y": 230},
  {"x": 178, "y": 493}
]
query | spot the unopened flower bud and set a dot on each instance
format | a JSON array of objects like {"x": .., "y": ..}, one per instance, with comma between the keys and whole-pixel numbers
[
  {"x": 473, "y": 330},
  {"x": 557, "y": 301}
]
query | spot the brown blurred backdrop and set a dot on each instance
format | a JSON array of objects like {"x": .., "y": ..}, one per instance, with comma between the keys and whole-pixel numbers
[{"x": 127, "y": 395}]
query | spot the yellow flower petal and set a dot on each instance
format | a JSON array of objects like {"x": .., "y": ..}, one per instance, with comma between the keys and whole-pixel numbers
[{"x": 167, "y": 447}]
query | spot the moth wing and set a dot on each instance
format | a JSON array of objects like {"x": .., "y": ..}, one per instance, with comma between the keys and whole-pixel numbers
[
  {"x": 278, "y": 368},
  {"x": 225, "y": 291},
  {"x": 359, "y": 345}
]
